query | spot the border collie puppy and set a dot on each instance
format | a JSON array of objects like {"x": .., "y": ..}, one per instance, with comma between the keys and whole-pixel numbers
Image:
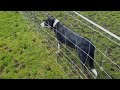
[{"x": 64, "y": 35}]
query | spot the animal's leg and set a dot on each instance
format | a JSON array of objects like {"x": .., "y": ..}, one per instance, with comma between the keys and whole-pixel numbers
[
  {"x": 83, "y": 57},
  {"x": 58, "y": 51},
  {"x": 84, "y": 60},
  {"x": 91, "y": 64}
]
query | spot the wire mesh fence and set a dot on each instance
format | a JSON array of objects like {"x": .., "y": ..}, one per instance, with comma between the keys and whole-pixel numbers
[{"x": 106, "y": 49}]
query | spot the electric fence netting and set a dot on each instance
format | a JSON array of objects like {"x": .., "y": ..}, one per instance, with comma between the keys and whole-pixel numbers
[{"x": 106, "y": 47}]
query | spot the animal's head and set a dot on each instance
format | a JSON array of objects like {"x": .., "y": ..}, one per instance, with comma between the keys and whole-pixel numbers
[{"x": 50, "y": 22}]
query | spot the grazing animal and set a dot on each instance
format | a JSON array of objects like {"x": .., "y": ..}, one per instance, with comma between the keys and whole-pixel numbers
[{"x": 64, "y": 35}]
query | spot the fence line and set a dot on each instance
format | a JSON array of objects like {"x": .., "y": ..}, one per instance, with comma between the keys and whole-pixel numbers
[
  {"x": 96, "y": 48},
  {"x": 63, "y": 61},
  {"x": 89, "y": 56},
  {"x": 74, "y": 55},
  {"x": 83, "y": 51},
  {"x": 64, "y": 53},
  {"x": 100, "y": 51},
  {"x": 53, "y": 58},
  {"x": 91, "y": 28},
  {"x": 98, "y": 26}
]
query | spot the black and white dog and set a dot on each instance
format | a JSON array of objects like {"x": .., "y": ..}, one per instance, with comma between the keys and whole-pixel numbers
[{"x": 64, "y": 35}]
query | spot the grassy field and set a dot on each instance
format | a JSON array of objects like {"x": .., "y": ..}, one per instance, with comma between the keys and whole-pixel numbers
[
  {"x": 22, "y": 51},
  {"x": 26, "y": 53}
]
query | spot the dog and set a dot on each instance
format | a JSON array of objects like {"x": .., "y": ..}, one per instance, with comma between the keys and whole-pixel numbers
[{"x": 64, "y": 35}]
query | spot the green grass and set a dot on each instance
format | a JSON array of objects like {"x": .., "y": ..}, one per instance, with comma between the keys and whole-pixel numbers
[{"x": 25, "y": 53}]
